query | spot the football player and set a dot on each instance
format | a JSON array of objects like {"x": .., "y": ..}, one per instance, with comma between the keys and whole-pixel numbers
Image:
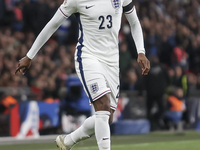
[{"x": 96, "y": 60}]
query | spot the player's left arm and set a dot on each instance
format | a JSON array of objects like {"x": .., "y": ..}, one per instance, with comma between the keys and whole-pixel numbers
[{"x": 136, "y": 31}]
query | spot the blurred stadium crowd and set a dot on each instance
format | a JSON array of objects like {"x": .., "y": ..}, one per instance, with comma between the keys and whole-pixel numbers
[{"x": 172, "y": 40}]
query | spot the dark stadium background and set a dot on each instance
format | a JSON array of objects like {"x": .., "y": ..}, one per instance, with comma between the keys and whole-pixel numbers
[{"x": 171, "y": 31}]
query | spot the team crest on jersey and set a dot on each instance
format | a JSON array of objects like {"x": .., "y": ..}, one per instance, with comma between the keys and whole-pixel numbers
[
  {"x": 94, "y": 87},
  {"x": 116, "y": 4}
]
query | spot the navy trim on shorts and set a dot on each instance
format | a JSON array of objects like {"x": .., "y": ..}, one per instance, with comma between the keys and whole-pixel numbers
[
  {"x": 79, "y": 59},
  {"x": 105, "y": 92}
]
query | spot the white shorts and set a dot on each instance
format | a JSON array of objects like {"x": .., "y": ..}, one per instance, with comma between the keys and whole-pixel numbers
[{"x": 98, "y": 79}]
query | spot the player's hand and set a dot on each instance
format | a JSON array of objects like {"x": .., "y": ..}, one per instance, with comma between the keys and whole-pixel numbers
[
  {"x": 144, "y": 63},
  {"x": 23, "y": 65}
]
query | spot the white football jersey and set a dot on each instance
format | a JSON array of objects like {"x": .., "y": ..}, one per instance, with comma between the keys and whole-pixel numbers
[{"x": 99, "y": 25}]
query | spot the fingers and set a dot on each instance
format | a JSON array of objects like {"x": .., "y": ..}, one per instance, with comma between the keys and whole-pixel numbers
[
  {"x": 21, "y": 69},
  {"x": 141, "y": 65},
  {"x": 24, "y": 70},
  {"x": 18, "y": 69},
  {"x": 144, "y": 68},
  {"x": 23, "y": 65},
  {"x": 147, "y": 69},
  {"x": 145, "y": 65}
]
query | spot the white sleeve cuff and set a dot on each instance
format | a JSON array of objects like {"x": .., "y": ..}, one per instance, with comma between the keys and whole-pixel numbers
[{"x": 141, "y": 51}]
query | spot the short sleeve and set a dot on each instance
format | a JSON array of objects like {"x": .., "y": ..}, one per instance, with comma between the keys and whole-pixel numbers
[
  {"x": 126, "y": 2},
  {"x": 68, "y": 7}
]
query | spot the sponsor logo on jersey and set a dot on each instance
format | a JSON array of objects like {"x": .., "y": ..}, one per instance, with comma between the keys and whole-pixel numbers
[
  {"x": 87, "y": 7},
  {"x": 116, "y": 4},
  {"x": 94, "y": 87}
]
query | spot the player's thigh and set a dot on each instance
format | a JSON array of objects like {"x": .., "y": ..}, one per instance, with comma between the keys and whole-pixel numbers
[
  {"x": 92, "y": 76},
  {"x": 112, "y": 78},
  {"x": 102, "y": 104}
]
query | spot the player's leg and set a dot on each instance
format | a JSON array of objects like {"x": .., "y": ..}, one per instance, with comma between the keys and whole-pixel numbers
[
  {"x": 88, "y": 128},
  {"x": 102, "y": 116},
  {"x": 103, "y": 107},
  {"x": 85, "y": 131},
  {"x": 95, "y": 87},
  {"x": 91, "y": 74}
]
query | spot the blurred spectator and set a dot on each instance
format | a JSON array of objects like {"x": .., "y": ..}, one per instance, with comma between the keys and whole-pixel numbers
[
  {"x": 180, "y": 58},
  {"x": 156, "y": 83},
  {"x": 165, "y": 51},
  {"x": 50, "y": 92},
  {"x": 176, "y": 107},
  {"x": 180, "y": 80},
  {"x": 152, "y": 41},
  {"x": 177, "y": 79},
  {"x": 124, "y": 57},
  {"x": 176, "y": 100},
  {"x": 171, "y": 74},
  {"x": 130, "y": 82},
  {"x": 192, "y": 85},
  {"x": 18, "y": 25},
  {"x": 194, "y": 56},
  {"x": 6, "y": 102}
]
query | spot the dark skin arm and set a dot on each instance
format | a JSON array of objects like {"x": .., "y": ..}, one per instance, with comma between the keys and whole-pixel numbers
[
  {"x": 144, "y": 63},
  {"x": 23, "y": 65}
]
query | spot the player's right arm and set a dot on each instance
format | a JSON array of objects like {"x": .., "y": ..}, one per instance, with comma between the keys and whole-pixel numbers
[{"x": 65, "y": 10}]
